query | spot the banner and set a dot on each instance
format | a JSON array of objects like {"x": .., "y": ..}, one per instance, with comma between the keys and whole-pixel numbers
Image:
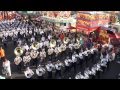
[{"x": 91, "y": 21}]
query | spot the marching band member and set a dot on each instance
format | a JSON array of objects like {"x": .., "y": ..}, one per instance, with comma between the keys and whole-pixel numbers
[
  {"x": 43, "y": 53},
  {"x": 34, "y": 55},
  {"x": 26, "y": 59},
  {"x": 86, "y": 56},
  {"x": 43, "y": 38},
  {"x": 28, "y": 73},
  {"x": 19, "y": 42},
  {"x": 49, "y": 37},
  {"x": 80, "y": 58},
  {"x": 4, "y": 41},
  {"x": 26, "y": 47},
  {"x": 50, "y": 52},
  {"x": 67, "y": 65},
  {"x": 104, "y": 60},
  {"x": 32, "y": 39},
  {"x": 40, "y": 71},
  {"x": 6, "y": 67},
  {"x": 74, "y": 62},
  {"x": 46, "y": 43},
  {"x": 49, "y": 68},
  {"x": 17, "y": 62},
  {"x": 41, "y": 44},
  {"x": 112, "y": 55},
  {"x": 58, "y": 67}
]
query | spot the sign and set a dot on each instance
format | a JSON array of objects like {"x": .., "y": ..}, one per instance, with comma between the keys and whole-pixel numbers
[{"x": 91, "y": 21}]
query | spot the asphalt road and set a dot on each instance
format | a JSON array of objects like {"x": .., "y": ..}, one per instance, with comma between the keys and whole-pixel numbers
[{"x": 112, "y": 73}]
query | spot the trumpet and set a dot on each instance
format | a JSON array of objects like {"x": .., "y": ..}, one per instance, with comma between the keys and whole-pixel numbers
[
  {"x": 35, "y": 46},
  {"x": 18, "y": 51},
  {"x": 52, "y": 43}
]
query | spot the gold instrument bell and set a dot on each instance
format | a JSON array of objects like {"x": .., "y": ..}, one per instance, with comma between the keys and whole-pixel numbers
[
  {"x": 35, "y": 46},
  {"x": 66, "y": 40},
  {"x": 52, "y": 43},
  {"x": 18, "y": 51}
]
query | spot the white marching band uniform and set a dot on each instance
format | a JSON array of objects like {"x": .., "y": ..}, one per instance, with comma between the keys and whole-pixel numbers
[
  {"x": 67, "y": 62},
  {"x": 17, "y": 60},
  {"x": 32, "y": 39},
  {"x": 80, "y": 56},
  {"x": 26, "y": 47},
  {"x": 74, "y": 59},
  {"x": 50, "y": 51},
  {"x": 43, "y": 54},
  {"x": 26, "y": 59},
  {"x": 50, "y": 67},
  {"x": 28, "y": 73},
  {"x": 58, "y": 66},
  {"x": 40, "y": 71},
  {"x": 34, "y": 54}
]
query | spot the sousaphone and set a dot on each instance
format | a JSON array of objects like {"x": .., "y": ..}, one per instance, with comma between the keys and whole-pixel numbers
[
  {"x": 18, "y": 51},
  {"x": 35, "y": 46},
  {"x": 52, "y": 43},
  {"x": 66, "y": 40}
]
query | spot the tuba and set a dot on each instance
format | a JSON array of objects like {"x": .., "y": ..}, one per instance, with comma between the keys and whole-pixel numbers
[
  {"x": 35, "y": 46},
  {"x": 52, "y": 43},
  {"x": 66, "y": 40},
  {"x": 18, "y": 51}
]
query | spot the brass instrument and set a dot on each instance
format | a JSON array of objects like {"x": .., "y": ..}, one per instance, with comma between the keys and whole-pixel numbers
[
  {"x": 35, "y": 46},
  {"x": 52, "y": 43},
  {"x": 18, "y": 51},
  {"x": 63, "y": 47},
  {"x": 66, "y": 40}
]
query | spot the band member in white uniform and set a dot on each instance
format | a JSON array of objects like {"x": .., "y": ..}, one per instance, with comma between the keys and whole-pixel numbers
[
  {"x": 43, "y": 38},
  {"x": 49, "y": 68},
  {"x": 40, "y": 71},
  {"x": 18, "y": 62},
  {"x": 6, "y": 68},
  {"x": 50, "y": 53},
  {"x": 34, "y": 55},
  {"x": 81, "y": 58},
  {"x": 32, "y": 39},
  {"x": 43, "y": 55},
  {"x": 28, "y": 73},
  {"x": 67, "y": 65},
  {"x": 26, "y": 47},
  {"x": 58, "y": 67},
  {"x": 74, "y": 62},
  {"x": 104, "y": 60},
  {"x": 26, "y": 59}
]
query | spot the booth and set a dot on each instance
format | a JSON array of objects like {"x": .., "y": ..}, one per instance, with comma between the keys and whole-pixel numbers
[
  {"x": 88, "y": 22},
  {"x": 60, "y": 18}
]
